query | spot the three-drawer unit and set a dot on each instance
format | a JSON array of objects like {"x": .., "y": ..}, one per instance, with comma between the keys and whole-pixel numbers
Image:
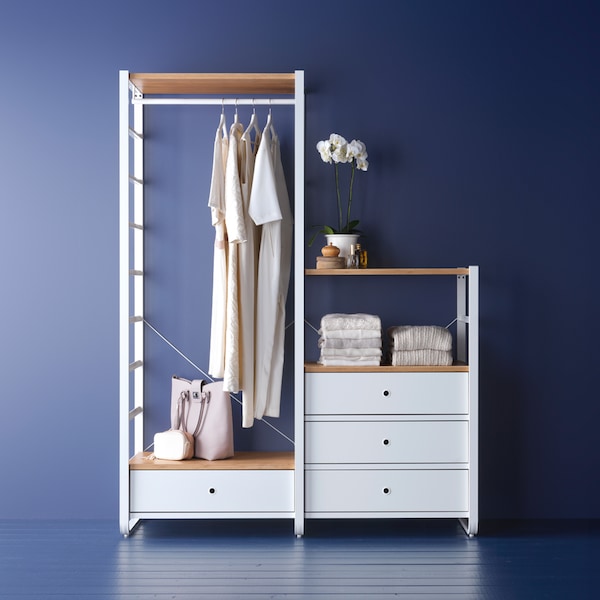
[{"x": 387, "y": 444}]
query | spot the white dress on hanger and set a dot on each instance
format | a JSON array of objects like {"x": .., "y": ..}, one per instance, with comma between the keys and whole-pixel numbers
[
  {"x": 269, "y": 207},
  {"x": 236, "y": 236},
  {"x": 248, "y": 264},
  {"x": 216, "y": 203}
]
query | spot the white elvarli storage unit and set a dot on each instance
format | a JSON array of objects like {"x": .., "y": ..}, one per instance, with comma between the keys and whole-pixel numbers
[
  {"x": 417, "y": 426},
  {"x": 396, "y": 442},
  {"x": 252, "y": 484}
]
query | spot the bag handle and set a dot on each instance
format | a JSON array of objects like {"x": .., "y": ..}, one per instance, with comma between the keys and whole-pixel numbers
[
  {"x": 181, "y": 410},
  {"x": 203, "y": 407}
]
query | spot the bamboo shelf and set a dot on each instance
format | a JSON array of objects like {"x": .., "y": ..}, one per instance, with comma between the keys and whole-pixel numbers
[
  {"x": 222, "y": 84},
  {"x": 389, "y": 271},
  {"x": 312, "y": 367}
]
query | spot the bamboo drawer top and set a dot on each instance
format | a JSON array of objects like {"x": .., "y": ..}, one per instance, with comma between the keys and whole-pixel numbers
[{"x": 246, "y": 461}]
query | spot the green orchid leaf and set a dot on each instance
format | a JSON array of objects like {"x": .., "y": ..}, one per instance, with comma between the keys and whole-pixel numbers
[{"x": 325, "y": 229}]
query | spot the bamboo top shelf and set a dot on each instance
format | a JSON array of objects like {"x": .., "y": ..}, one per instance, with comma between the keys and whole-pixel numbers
[
  {"x": 214, "y": 83},
  {"x": 390, "y": 271}
]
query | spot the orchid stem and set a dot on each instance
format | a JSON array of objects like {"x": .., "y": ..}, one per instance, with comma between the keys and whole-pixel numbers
[
  {"x": 339, "y": 200},
  {"x": 350, "y": 193}
]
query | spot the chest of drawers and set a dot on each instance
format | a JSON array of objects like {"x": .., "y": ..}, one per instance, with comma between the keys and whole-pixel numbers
[{"x": 387, "y": 444}]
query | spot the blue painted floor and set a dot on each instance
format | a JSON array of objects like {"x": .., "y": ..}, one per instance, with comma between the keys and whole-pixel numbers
[{"x": 336, "y": 560}]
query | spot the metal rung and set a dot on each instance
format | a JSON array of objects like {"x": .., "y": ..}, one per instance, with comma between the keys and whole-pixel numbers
[
  {"x": 135, "y": 319},
  {"x": 136, "y": 272},
  {"x": 135, "y": 134},
  {"x": 136, "y": 226},
  {"x": 136, "y": 180},
  {"x": 135, "y": 365},
  {"x": 138, "y": 410}
]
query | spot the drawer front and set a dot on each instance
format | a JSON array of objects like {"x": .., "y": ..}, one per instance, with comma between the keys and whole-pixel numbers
[
  {"x": 387, "y": 491},
  {"x": 386, "y": 393},
  {"x": 387, "y": 442},
  {"x": 212, "y": 491}
]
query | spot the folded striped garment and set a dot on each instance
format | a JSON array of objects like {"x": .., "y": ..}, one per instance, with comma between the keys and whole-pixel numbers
[
  {"x": 420, "y": 337},
  {"x": 373, "y": 342},
  {"x": 336, "y": 321},
  {"x": 350, "y": 334},
  {"x": 351, "y": 352},
  {"x": 405, "y": 358},
  {"x": 356, "y": 362}
]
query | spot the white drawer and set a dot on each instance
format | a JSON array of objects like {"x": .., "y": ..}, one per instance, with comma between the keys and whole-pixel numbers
[
  {"x": 211, "y": 491},
  {"x": 387, "y": 442},
  {"x": 387, "y": 491},
  {"x": 386, "y": 393}
]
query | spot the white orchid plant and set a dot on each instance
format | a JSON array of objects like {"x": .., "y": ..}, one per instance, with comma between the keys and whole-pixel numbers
[{"x": 337, "y": 150}]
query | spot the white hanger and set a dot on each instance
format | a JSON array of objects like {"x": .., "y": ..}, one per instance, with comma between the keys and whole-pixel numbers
[
  {"x": 222, "y": 120},
  {"x": 269, "y": 124},
  {"x": 269, "y": 117},
  {"x": 253, "y": 126}
]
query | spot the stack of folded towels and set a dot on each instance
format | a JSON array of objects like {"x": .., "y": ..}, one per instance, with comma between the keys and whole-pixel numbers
[
  {"x": 420, "y": 345},
  {"x": 350, "y": 339}
]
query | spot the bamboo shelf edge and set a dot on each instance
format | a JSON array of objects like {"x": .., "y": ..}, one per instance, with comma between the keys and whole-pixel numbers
[
  {"x": 390, "y": 271},
  {"x": 317, "y": 368},
  {"x": 241, "y": 461},
  {"x": 214, "y": 83}
]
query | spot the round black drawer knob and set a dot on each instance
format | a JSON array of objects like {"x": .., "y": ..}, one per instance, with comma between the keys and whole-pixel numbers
[
  {"x": 386, "y": 442},
  {"x": 211, "y": 490},
  {"x": 386, "y": 393},
  {"x": 386, "y": 491}
]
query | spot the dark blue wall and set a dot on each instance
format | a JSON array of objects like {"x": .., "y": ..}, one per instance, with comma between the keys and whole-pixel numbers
[{"x": 481, "y": 121}]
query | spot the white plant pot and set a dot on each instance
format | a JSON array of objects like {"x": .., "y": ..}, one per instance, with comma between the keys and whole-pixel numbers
[{"x": 343, "y": 241}]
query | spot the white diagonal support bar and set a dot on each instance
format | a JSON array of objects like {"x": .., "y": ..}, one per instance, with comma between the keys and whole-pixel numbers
[{"x": 138, "y": 410}]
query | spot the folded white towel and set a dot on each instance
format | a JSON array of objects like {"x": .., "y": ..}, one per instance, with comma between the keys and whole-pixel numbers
[
  {"x": 342, "y": 362},
  {"x": 419, "y": 337},
  {"x": 374, "y": 342},
  {"x": 351, "y": 352},
  {"x": 349, "y": 334},
  {"x": 421, "y": 358},
  {"x": 350, "y": 321}
]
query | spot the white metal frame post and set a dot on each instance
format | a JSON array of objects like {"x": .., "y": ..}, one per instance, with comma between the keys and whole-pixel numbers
[
  {"x": 473, "y": 300},
  {"x": 299, "y": 304},
  {"x": 124, "y": 352},
  {"x": 467, "y": 342},
  {"x": 131, "y": 226}
]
